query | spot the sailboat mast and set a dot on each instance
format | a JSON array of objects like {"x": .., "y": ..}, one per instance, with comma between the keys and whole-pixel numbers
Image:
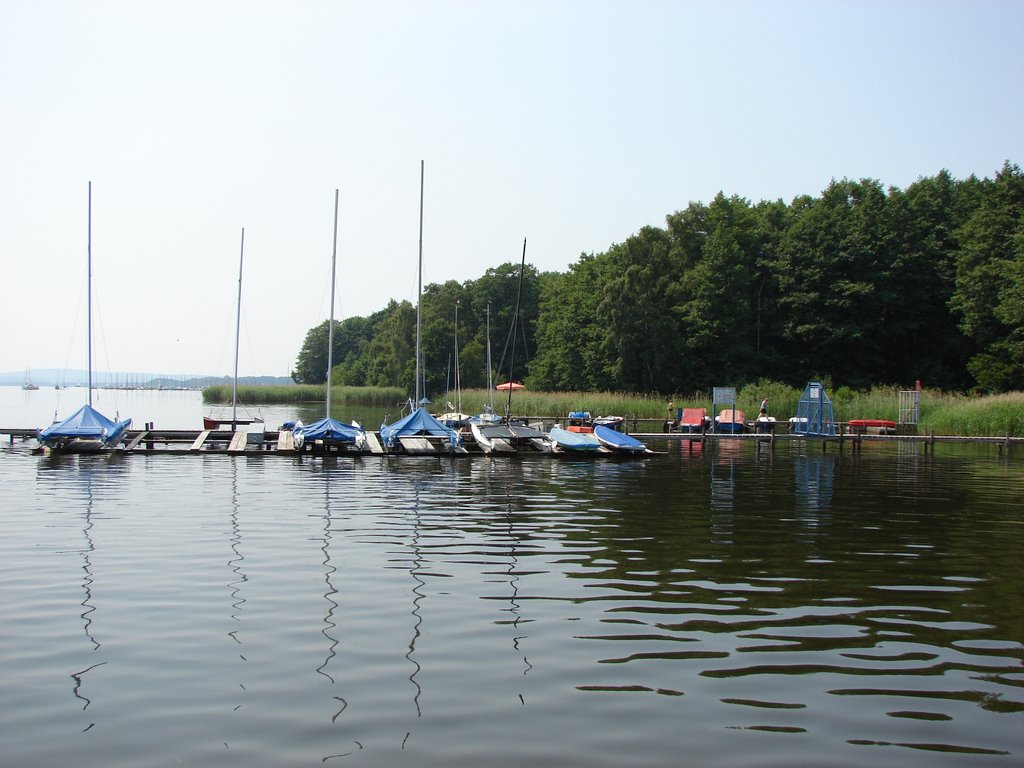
[
  {"x": 419, "y": 294},
  {"x": 88, "y": 281},
  {"x": 515, "y": 323},
  {"x": 330, "y": 328},
  {"x": 458, "y": 380},
  {"x": 490, "y": 380},
  {"x": 238, "y": 327}
]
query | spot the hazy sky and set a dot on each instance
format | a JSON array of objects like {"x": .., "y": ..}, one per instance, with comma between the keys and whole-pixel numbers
[{"x": 572, "y": 124}]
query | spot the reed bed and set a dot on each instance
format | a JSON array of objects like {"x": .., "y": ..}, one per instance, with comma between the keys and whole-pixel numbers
[
  {"x": 383, "y": 397},
  {"x": 941, "y": 413}
]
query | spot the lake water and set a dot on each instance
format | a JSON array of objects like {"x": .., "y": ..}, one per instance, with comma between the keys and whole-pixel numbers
[{"x": 720, "y": 606}]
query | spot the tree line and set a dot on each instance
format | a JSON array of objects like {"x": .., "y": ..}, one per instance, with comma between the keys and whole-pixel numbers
[{"x": 859, "y": 286}]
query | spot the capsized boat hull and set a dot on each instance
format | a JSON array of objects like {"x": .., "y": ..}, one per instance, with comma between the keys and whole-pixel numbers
[
  {"x": 618, "y": 442},
  {"x": 564, "y": 441}
]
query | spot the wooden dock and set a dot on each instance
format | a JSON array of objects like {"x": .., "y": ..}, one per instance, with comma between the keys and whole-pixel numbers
[{"x": 170, "y": 442}]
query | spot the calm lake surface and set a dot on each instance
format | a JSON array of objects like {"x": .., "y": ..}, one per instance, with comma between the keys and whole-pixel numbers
[{"x": 721, "y": 606}]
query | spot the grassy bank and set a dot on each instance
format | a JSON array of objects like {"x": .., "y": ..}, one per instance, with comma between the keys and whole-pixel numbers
[{"x": 941, "y": 413}]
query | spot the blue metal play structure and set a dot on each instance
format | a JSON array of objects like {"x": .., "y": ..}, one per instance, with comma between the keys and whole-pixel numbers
[{"x": 814, "y": 413}]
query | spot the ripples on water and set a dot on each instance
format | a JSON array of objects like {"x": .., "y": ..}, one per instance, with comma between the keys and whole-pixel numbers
[{"x": 715, "y": 606}]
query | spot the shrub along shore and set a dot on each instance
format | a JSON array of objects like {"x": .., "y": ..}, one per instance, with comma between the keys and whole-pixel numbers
[{"x": 942, "y": 413}]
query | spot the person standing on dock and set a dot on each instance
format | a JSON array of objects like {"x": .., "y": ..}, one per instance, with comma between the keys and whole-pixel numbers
[
  {"x": 670, "y": 423},
  {"x": 764, "y": 407}
]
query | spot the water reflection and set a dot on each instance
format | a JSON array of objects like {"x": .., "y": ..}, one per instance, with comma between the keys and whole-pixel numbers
[
  {"x": 416, "y": 564},
  {"x": 851, "y": 599},
  {"x": 87, "y": 605},
  {"x": 813, "y": 478},
  {"x": 239, "y": 577},
  {"x": 85, "y": 476}
]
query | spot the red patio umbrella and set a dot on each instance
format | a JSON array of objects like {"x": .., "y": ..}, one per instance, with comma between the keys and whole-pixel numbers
[{"x": 510, "y": 385}]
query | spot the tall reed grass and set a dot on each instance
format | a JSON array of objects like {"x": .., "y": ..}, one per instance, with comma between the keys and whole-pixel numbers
[
  {"x": 941, "y": 413},
  {"x": 383, "y": 397}
]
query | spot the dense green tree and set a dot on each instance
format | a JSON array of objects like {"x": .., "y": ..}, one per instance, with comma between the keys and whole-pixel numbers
[
  {"x": 918, "y": 275},
  {"x": 859, "y": 285},
  {"x": 827, "y": 272},
  {"x": 350, "y": 336},
  {"x": 987, "y": 293},
  {"x": 640, "y": 342},
  {"x": 570, "y": 330}
]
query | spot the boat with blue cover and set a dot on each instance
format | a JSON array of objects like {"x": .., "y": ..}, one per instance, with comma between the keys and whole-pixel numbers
[
  {"x": 564, "y": 441},
  {"x": 419, "y": 432},
  {"x": 330, "y": 432},
  {"x": 83, "y": 431},
  {"x": 87, "y": 429},
  {"x": 618, "y": 442}
]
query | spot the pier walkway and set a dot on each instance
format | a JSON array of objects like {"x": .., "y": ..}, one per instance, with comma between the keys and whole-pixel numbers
[{"x": 280, "y": 442}]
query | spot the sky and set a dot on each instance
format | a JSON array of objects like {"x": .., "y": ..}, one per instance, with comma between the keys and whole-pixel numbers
[{"x": 570, "y": 123}]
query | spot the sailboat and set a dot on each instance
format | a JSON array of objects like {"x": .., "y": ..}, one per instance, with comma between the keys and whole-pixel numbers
[
  {"x": 510, "y": 437},
  {"x": 329, "y": 432},
  {"x": 211, "y": 422},
  {"x": 454, "y": 417},
  {"x": 419, "y": 432},
  {"x": 488, "y": 416},
  {"x": 86, "y": 429},
  {"x": 28, "y": 385}
]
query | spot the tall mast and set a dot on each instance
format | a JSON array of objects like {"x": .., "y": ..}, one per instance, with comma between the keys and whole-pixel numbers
[
  {"x": 515, "y": 322},
  {"x": 238, "y": 327},
  {"x": 419, "y": 294},
  {"x": 89, "y": 292},
  {"x": 458, "y": 381},
  {"x": 490, "y": 381},
  {"x": 330, "y": 328}
]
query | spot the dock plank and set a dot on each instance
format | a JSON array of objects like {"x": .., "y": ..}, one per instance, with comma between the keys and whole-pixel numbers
[
  {"x": 374, "y": 444},
  {"x": 286, "y": 440},
  {"x": 135, "y": 441},
  {"x": 198, "y": 444},
  {"x": 416, "y": 445},
  {"x": 238, "y": 442}
]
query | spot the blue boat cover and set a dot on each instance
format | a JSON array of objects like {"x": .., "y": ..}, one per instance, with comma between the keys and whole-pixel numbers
[
  {"x": 87, "y": 424},
  {"x": 574, "y": 441},
  {"x": 618, "y": 441},
  {"x": 333, "y": 430},
  {"x": 418, "y": 423}
]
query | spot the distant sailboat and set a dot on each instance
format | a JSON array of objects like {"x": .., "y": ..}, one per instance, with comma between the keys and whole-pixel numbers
[
  {"x": 86, "y": 429},
  {"x": 28, "y": 381}
]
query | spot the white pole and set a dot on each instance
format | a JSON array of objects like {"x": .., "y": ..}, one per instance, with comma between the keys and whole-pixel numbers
[
  {"x": 89, "y": 292},
  {"x": 330, "y": 328},
  {"x": 419, "y": 293},
  {"x": 238, "y": 327}
]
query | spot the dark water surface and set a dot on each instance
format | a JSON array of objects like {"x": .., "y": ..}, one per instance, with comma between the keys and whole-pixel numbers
[{"x": 725, "y": 606}]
